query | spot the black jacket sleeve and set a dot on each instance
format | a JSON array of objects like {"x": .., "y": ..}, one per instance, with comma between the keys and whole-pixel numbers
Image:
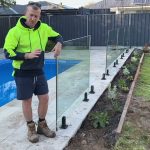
[
  {"x": 56, "y": 39},
  {"x": 19, "y": 56}
]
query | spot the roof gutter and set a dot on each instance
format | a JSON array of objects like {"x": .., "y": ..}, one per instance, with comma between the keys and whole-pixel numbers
[
  {"x": 15, "y": 12},
  {"x": 118, "y": 10}
]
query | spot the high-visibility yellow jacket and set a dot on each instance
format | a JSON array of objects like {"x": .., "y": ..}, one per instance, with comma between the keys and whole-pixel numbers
[{"x": 21, "y": 39}]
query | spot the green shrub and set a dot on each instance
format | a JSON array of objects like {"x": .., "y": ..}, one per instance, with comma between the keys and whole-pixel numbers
[
  {"x": 126, "y": 71},
  {"x": 112, "y": 92},
  {"x": 116, "y": 105},
  {"x": 130, "y": 78},
  {"x": 134, "y": 59},
  {"x": 100, "y": 119},
  {"x": 131, "y": 67},
  {"x": 123, "y": 85}
]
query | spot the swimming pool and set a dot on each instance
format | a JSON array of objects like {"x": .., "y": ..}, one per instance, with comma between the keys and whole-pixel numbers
[{"x": 7, "y": 83}]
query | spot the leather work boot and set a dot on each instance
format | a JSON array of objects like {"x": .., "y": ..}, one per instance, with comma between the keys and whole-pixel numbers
[
  {"x": 43, "y": 129},
  {"x": 32, "y": 135}
]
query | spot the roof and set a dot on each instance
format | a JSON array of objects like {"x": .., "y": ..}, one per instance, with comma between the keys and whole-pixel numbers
[
  {"x": 5, "y": 10},
  {"x": 20, "y": 9},
  {"x": 118, "y": 3}
]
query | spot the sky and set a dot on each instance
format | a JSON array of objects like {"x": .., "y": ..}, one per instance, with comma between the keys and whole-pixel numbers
[{"x": 70, "y": 3}]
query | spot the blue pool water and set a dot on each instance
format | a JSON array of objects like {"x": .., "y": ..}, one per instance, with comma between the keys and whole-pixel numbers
[{"x": 7, "y": 83}]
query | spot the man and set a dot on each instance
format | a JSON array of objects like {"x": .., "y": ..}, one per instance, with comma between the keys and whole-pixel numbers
[{"x": 25, "y": 45}]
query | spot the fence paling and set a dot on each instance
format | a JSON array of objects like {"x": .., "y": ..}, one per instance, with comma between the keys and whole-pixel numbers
[{"x": 96, "y": 25}]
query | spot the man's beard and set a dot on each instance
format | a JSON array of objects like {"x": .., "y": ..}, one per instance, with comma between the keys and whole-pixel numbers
[{"x": 32, "y": 22}]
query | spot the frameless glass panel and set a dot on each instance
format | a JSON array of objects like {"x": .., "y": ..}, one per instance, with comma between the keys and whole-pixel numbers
[
  {"x": 127, "y": 38},
  {"x": 74, "y": 81},
  {"x": 120, "y": 43},
  {"x": 115, "y": 45},
  {"x": 111, "y": 47},
  {"x": 1, "y": 54},
  {"x": 7, "y": 84}
]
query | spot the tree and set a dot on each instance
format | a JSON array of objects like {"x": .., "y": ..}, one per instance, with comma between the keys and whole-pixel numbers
[{"x": 7, "y": 3}]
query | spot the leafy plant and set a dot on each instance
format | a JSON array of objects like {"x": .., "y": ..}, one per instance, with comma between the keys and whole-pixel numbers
[
  {"x": 112, "y": 92},
  {"x": 101, "y": 119},
  {"x": 131, "y": 67},
  {"x": 134, "y": 59},
  {"x": 126, "y": 71},
  {"x": 116, "y": 105},
  {"x": 125, "y": 89},
  {"x": 112, "y": 96},
  {"x": 123, "y": 85},
  {"x": 135, "y": 53},
  {"x": 130, "y": 78}
]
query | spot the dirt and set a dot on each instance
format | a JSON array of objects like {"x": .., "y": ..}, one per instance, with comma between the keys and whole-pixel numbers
[
  {"x": 90, "y": 138},
  {"x": 139, "y": 113}
]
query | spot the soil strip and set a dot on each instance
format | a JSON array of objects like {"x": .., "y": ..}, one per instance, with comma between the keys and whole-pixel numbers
[{"x": 129, "y": 96}]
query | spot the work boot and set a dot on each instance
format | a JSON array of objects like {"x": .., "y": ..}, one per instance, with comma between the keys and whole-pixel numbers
[
  {"x": 32, "y": 135},
  {"x": 43, "y": 129}
]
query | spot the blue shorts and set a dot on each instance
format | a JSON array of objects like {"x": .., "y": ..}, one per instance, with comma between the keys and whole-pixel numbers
[{"x": 27, "y": 86}]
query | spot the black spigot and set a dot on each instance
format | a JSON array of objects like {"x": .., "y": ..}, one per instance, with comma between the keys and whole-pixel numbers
[
  {"x": 117, "y": 62},
  {"x": 92, "y": 90},
  {"x": 85, "y": 97},
  {"x": 64, "y": 125},
  {"x": 121, "y": 57},
  {"x": 114, "y": 64},
  {"x": 107, "y": 72},
  {"x": 103, "y": 76}
]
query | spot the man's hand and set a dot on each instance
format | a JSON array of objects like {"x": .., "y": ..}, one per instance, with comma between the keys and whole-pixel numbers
[
  {"x": 57, "y": 49},
  {"x": 34, "y": 54}
]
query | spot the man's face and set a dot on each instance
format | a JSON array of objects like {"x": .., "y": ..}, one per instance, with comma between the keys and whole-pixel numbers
[{"x": 33, "y": 16}]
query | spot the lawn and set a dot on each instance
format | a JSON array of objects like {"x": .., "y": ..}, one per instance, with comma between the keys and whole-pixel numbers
[{"x": 136, "y": 130}]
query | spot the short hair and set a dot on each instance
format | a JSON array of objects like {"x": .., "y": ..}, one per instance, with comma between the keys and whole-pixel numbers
[{"x": 34, "y": 5}]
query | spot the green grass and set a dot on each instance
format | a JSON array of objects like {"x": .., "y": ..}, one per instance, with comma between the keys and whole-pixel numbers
[
  {"x": 133, "y": 138},
  {"x": 143, "y": 85}
]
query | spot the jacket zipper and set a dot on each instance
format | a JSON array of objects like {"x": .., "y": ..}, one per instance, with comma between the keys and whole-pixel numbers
[
  {"x": 30, "y": 40},
  {"x": 40, "y": 40}
]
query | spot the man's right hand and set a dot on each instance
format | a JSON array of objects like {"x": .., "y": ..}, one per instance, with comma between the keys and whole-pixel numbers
[{"x": 34, "y": 54}]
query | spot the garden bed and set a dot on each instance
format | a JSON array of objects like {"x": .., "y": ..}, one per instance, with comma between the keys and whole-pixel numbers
[{"x": 98, "y": 131}]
